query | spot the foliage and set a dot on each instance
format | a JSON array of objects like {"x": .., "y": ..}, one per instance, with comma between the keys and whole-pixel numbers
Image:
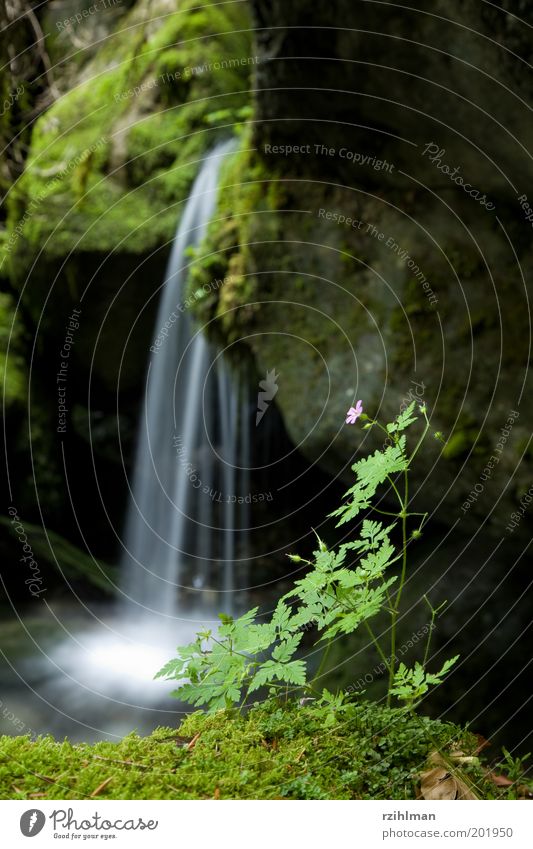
[
  {"x": 411, "y": 684},
  {"x": 271, "y": 751},
  {"x": 343, "y": 589},
  {"x": 514, "y": 767}
]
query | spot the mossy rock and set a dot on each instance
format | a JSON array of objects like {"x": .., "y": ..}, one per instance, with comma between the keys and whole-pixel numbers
[
  {"x": 368, "y": 312},
  {"x": 274, "y": 752},
  {"x": 12, "y": 362},
  {"x": 112, "y": 157},
  {"x": 110, "y": 167},
  {"x": 60, "y": 562}
]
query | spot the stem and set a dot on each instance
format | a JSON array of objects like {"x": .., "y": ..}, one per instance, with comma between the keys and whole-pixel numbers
[
  {"x": 322, "y": 661},
  {"x": 392, "y": 657},
  {"x": 397, "y": 494},
  {"x": 383, "y": 512},
  {"x": 434, "y": 612},
  {"x": 428, "y": 643},
  {"x": 246, "y": 694},
  {"x": 376, "y": 643},
  {"x": 420, "y": 441},
  {"x": 231, "y": 650},
  {"x": 404, "y": 543},
  {"x": 396, "y": 605}
]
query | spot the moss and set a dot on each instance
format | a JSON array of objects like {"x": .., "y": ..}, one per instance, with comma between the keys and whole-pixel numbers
[
  {"x": 55, "y": 553},
  {"x": 112, "y": 157},
  {"x": 248, "y": 193},
  {"x": 459, "y": 444},
  {"x": 12, "y": 365},
  {"x": 272, "y": 752},
  {"x": 466, "y": 437}
]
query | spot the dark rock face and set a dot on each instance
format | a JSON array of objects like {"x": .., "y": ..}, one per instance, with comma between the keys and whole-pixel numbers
[
  {"x": 396, "y": 79},
  {"x": 395, "y": 252}
]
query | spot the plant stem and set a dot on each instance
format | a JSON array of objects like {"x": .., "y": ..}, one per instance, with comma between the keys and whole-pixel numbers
[
  {"x": 383, "y": 512},
  {"x": 434, "y": 612},
  {"x": 323, "y": 660},
  {"x": 396, "y": 605},
  {"x": 420, "y": 441},
  {"x": 376, "y": 643}
]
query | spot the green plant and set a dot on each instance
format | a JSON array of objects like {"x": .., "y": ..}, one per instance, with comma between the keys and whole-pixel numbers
[
  {"x": 342, "y": 591},
  {"x": 272, "y": 750},
  {"x": 514, "y": 767}
]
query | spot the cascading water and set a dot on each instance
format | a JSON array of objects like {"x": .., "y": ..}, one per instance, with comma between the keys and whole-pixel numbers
[
  {"x": 181, "y": 522},
  {"x": 184, "y": 535}
]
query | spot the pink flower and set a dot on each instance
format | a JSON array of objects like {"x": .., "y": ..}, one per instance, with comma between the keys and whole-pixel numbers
[{"x": 354, "y": 413}]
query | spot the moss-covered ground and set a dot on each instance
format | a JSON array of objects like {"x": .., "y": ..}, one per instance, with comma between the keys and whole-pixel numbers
[{"x": 274, "y": 751}]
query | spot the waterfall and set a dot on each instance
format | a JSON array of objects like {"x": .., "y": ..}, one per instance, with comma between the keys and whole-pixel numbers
[{"x": 183, "y": 519}]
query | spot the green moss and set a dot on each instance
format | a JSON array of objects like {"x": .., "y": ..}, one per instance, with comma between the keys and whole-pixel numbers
[
  {"x": 12, "y": 365},
  {"x": 248, "y": 193},
  {"x": 459, "y": 444},
  {"x": 272, "y": 752},
  {"x": 112, "y": 158},
  {"x": 465, "y": 438},
  {"x": 65, "y": 559}
]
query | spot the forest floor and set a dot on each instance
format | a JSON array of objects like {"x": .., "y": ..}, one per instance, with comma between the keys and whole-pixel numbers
[{"x": 272, "y": 752}]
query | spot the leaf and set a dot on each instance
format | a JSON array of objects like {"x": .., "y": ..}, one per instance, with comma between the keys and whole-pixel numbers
[
  {"x": 482, "y": 743},
  {"x": 370, "y": 473},
  {"x": 436, "y": 677},
  {"x": 524, "y": 792},
  {"x": 499, "y": 780},
  {"x": 406, "y": 418},
  {"x": 440, "y": 782},
  {"x": 285, "y": 650},
  {"x": 281, "y": 618},
  {"x": 290, "y": 673}
]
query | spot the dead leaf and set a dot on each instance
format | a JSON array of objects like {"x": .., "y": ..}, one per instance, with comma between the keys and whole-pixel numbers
[
  {"x": 524, "y": 792},
  {"x": 463, "y": 790},
  {"x": 441, "y": 783},
  {"x": 460, "y": 757},
  {"x": 438, "y": 784},
  {"x": 499, "y": 780},
  {"x": 482, "y": 743},
  {"x": 300, "y": 756},
  {"x": 193, "y": 742},
  {"x": 101, "y": 787},
  {"x": 216, "y": 794}
]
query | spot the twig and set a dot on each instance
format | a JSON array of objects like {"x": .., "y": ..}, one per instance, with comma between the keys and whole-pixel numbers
[
  {"x": 126, "y": 763},
  {"x": 101, "y": 787}
]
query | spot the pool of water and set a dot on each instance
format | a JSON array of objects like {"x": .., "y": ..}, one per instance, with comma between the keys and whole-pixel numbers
[{"x": 87, "y": 674}]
